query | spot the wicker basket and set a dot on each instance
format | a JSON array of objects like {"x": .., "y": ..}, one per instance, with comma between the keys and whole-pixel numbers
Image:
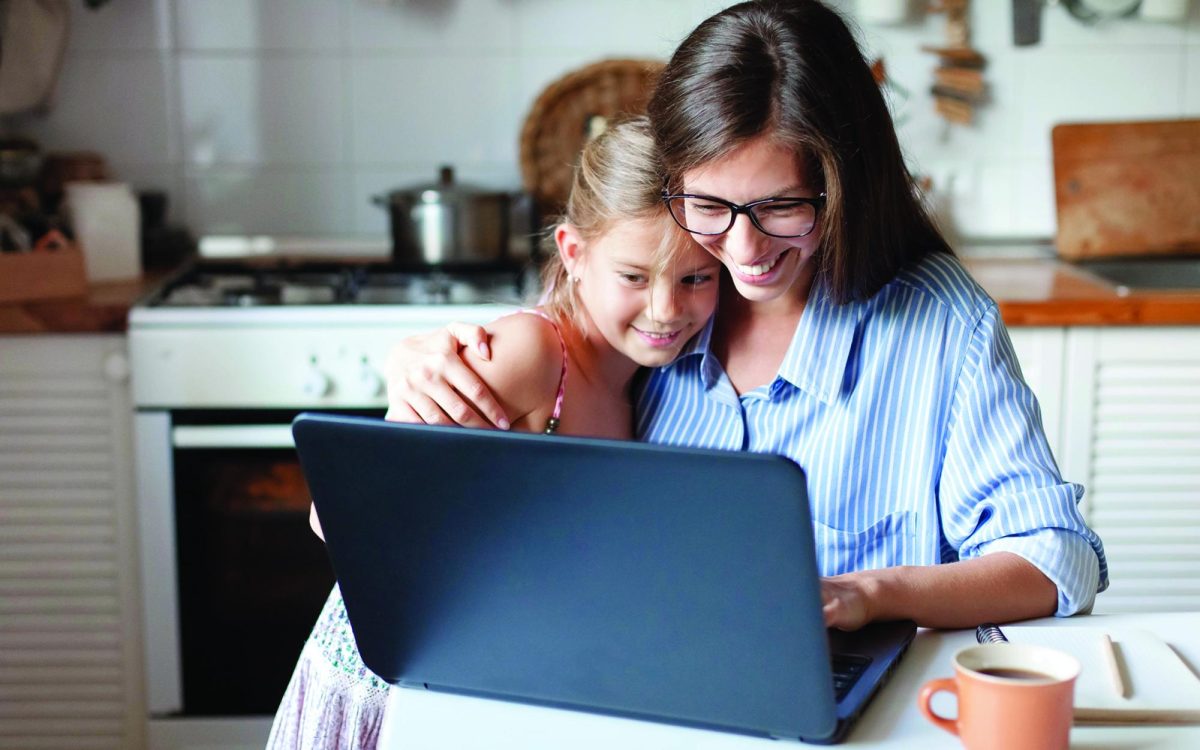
[{"x": 567, "y": 113}]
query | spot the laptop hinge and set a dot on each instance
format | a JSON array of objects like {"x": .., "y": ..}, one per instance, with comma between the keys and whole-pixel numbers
[{"x": 413, "y": 685}]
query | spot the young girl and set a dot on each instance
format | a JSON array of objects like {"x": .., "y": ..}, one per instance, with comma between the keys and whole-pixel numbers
[
  {"x": 849, "y": 339},
  {"x": 626, "y": 288}
]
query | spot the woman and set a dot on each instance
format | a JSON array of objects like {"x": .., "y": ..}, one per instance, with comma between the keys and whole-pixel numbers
[{"x": 847, "y": 338}]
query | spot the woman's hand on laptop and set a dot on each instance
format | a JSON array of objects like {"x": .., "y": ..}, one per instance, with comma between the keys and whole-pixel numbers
[
  {"x": 428, "y": 381},
  {"x": 845, "y": 601}
]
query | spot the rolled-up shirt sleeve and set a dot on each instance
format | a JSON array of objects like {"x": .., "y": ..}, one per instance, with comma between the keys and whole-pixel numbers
[{"x": 1000, "y": 489}]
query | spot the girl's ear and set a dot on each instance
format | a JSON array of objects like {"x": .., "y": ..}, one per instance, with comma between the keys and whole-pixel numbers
[{"x": 570, "y": 246}]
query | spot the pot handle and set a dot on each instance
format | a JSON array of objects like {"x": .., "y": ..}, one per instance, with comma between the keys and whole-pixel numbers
[{"x": 380, "y": 200}]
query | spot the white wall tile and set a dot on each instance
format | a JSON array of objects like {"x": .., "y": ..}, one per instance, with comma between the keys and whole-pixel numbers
[
  {"x": 263, "y": 110},
  {"x": 614, "y": 28},
  {"x": 1033, "y": 209},
  {"x": 925, "y": 135},
  {"x": 1086, "y": 85},
  {"x": 980, "y": 199},
  {"x": 259, "y": 24},
  {"x": 121, "y": 26},
  {"x": 991, "y": 27},
  {"x": 448, "y": 109},
  {"x": 117, "y": 106},
  {"x": 468, "y": 27},
  {"x": 286, "y": 98},
  {"x": 232, "y": 200},
  {"x": 1191, "y": 80},
  {"x": 535, "y": 72}
]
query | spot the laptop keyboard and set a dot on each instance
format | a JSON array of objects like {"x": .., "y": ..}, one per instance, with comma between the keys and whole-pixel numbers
[{"x": 847, "y": 668}]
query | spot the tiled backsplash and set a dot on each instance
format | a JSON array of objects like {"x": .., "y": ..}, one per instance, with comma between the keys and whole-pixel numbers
[{"x": 285, "y": 116}]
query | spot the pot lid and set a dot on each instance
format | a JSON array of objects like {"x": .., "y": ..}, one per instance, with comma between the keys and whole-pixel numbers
[{"x": 445, "y": 190}]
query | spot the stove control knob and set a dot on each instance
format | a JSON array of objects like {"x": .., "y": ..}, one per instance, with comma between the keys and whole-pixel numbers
[
  {"x": 369, "y": 383},
  {"x": 316, "y": 383}
]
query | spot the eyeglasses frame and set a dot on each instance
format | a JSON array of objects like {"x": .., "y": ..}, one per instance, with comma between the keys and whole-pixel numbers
[{"x": 734, "y": 209}]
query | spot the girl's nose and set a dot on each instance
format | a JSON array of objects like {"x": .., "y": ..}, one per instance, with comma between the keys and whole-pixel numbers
[{"x": 664, "y": 305}]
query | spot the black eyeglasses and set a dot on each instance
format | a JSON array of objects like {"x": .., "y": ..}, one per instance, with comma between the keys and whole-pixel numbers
[{"x": 705, "y": 215}]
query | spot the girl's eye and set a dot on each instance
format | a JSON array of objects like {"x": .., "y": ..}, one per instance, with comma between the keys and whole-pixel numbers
[
  {"x": 697, "y": 279},
  {"x": 632, "y": 278}
]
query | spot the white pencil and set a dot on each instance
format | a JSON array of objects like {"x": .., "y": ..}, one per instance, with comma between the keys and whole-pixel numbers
[{"x": 1114, "y": 668}]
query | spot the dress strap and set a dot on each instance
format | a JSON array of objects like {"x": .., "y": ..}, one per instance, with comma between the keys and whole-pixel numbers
[{"x": 552, "y": 422}]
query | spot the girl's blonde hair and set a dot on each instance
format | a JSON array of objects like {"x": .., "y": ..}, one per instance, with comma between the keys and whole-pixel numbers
[{"x": 618, "y": 178}]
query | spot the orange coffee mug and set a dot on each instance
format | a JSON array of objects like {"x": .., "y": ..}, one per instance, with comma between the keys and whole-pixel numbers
[{"x": 1009, "y": 696}]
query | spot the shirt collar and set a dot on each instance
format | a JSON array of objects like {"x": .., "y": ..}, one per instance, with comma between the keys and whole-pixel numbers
[
  {"x": 817, "y": 358},
  {"x": 700, "y": 346}
]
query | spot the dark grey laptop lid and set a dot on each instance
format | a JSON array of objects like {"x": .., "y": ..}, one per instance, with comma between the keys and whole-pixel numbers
[{"x": 665, "y": 583}]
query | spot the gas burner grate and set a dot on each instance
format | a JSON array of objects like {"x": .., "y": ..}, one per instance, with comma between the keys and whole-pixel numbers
[{"x": 253, "y": 287}]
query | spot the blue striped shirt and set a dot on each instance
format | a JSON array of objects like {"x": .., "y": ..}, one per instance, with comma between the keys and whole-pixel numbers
[{"x": 908, "y": 412}]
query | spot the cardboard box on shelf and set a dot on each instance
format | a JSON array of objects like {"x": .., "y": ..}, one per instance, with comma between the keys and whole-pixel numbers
[{"x": 42, "y": 274}]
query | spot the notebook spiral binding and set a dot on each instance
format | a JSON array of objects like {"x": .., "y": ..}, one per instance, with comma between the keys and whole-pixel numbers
[{"x": 989, "y": 633}]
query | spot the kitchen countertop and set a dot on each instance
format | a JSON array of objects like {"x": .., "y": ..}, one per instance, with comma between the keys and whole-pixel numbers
[
  {"x": 103, "y": 309},
  {"x": 1049, "y": 292},
  {"x": 1031, "y": 287}
]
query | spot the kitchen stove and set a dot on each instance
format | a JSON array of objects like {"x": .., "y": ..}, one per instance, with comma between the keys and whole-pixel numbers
[
  {"x": 296, "y": 334},
  {"x": 223, "y": 356}
]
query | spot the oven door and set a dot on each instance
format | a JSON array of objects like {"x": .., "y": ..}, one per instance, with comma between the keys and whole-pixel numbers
[{"x": 233, "y": 575}]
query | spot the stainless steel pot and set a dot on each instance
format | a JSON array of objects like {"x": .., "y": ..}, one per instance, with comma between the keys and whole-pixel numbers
[{"x": 448, "y": 224}]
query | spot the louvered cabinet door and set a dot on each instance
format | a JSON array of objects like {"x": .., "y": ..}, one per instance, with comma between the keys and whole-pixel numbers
[
  {"x": 70, "y": 657},
  {"x": 1133, "y": 431}
]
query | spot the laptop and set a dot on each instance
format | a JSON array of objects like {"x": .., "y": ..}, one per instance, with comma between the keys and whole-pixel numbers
[{"x": 668, "y": 584}]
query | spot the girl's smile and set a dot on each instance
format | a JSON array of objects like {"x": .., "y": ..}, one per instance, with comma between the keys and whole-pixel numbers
[{"x": 665, "y": 340}]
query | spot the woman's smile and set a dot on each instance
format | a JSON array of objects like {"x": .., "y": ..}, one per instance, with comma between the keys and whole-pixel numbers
[{"x": 760, "y": 272}]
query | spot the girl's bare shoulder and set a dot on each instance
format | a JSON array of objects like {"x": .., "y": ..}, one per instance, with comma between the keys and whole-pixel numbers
[{"x": 526, "y": 362}]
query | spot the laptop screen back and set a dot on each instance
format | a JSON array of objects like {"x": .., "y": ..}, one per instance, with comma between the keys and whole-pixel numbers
[{"x": 632, "y": 579}]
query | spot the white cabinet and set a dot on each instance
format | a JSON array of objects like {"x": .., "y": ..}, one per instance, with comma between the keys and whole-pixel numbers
[
  {"x": 70, "y": 655},
  {"x": 1131, "y": 435},
  {"x": 1122, "y": 412}
]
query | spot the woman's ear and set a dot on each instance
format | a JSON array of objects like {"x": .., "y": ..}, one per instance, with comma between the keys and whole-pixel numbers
[{"x": 570, "y": 247}]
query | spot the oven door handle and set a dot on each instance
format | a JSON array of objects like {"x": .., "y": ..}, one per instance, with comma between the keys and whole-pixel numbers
[{"x": 232, "y": 436}]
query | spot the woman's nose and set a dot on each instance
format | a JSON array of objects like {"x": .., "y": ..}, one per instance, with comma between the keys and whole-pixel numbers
[{"x": 743, "y": 243}]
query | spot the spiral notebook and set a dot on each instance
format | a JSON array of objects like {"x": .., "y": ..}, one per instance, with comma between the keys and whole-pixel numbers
[{"x": 1159, "y": 686}]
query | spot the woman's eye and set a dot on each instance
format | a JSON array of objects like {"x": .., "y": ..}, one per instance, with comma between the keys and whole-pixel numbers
[
  {"x": 780, "y": 209},
  {"x": 633, "y": 278},
  {"x": 697, "y": 279},
  {"x": 706, "y": 208}
]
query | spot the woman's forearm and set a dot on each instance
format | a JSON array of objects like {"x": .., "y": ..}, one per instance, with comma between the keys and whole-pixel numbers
[{"x": 1000, "y": 587}]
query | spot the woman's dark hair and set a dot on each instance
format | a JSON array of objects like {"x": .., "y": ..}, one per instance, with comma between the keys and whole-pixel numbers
[{"x": 793, "y": 72}]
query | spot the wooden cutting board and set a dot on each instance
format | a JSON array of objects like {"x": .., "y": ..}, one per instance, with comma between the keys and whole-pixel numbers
[{"x": 1127, "y": 188}]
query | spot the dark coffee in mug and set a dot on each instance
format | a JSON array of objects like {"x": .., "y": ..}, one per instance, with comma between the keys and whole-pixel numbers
[
  {"x": 1009, "y": 673},
  {"x": 1036, "y": 684}
]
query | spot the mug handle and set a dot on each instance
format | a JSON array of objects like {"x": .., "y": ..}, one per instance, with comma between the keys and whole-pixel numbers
[{"x": 927, "y": 692}]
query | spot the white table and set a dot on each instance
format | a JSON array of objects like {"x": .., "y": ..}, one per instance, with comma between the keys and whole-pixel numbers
[{"x": 425, "y": 719}]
